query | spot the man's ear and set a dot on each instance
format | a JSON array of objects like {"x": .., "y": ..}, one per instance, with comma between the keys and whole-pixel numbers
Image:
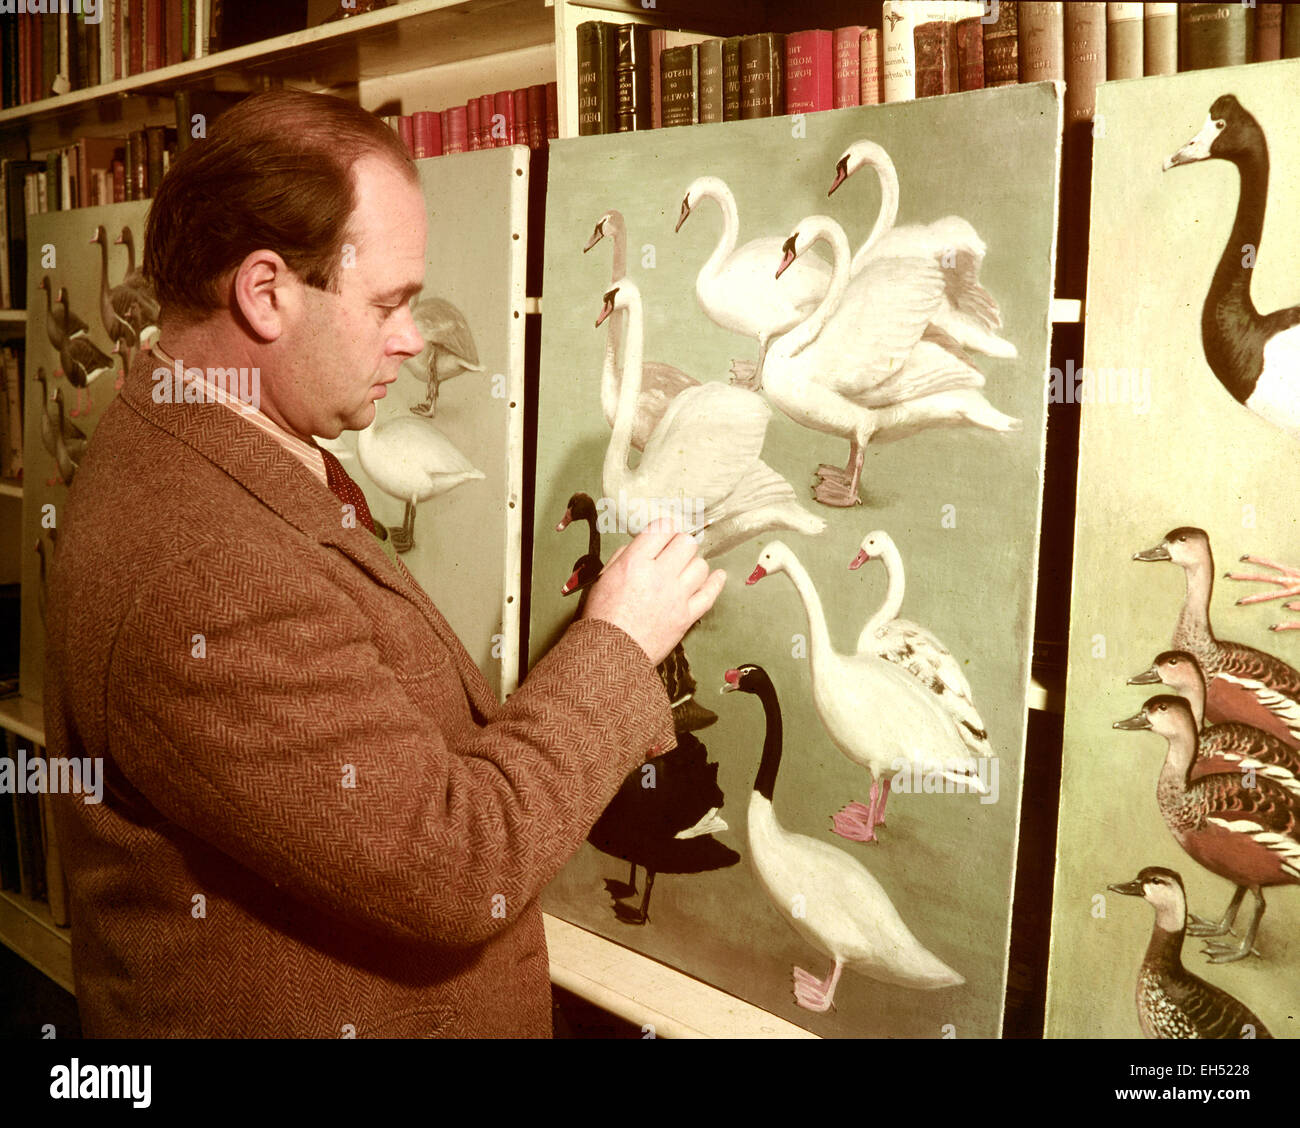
[{"x": 267, "y": 292}]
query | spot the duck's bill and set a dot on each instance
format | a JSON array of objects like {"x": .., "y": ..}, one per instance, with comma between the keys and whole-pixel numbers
[
  {"x": 1160, "y": 552},
  {"x": 1146, "y": 677},
  {"x": 1128, "y": 888},
  {"x": 564, "y": 521},
  {"x": 859, "y": 560},
  {"x": 1197, "y": 149},
  {"x": 1133, "y": 723},
  {"x": 605, "y": 311},
  {"x": 757, "y": 574}
]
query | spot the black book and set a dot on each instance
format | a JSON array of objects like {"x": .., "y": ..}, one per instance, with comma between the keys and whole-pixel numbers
[
  {"x": 597, "y": 78},
  {"x": 15, "y": 172},
  {"x": 633, "y": 77}
]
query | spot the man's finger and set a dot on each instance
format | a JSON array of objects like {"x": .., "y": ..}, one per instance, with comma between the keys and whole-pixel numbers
[
  {"x": 702, "y": 600},
  {"x": 651, "y": 540},
  {"x": 678, "y": 552},
  {"x": 695, "y": 574}
]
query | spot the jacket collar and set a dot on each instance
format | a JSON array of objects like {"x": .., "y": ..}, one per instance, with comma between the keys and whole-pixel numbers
[{"x": 258, "y": 463}]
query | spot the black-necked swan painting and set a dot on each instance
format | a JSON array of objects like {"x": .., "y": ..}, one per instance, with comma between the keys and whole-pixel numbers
[
  {"x": 1256, "y": 356},
  {"x": 1182, "y": 708}
]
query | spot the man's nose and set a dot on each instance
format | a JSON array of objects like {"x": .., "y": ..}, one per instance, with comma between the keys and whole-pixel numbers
[{"x": 406, "y": 339}]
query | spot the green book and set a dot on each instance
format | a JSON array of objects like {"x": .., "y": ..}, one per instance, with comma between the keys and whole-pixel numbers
[
  {"x": 679, "y": 84},
  {"x": 1213, "y": 35},
  {"x": 731, "y": 78},
  {"x": 712, "y": 102}
]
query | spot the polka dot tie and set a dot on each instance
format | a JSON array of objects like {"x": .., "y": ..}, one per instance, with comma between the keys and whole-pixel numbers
[{"x": 345, "y": 489}]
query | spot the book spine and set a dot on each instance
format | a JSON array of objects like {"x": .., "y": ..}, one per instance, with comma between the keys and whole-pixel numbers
[
  {"x": 551, "y": 105},
  {"x": 1268, "y": 33},
  {"x": 869, "y": 67},
  {"x": 1085, "y": 59},
  {"x": 711, "y": 97},
  {"x": 632, "y": 78},
  {"x": 1042, "y": 42},
  {"x": 173, "y": 33},
  {"x": 135, "y": 37},
  {"x": 809, "y": 72},
  {"x": 13, "y": 415},
  {"x": 473, "y": 128},
  {"x": 455, "y": 137},
  {"x": 155, "y": 146},
  {"x": 536, "y": 117},
  {"x": 520, "y": 97},
  {"x": 731, "y": 78},
  {"x": 49, "y": 83},
  {"x": 1291, "y": 35},
  {"x": 935, "y": 38},
  {"x": 94, "y": 54},
  {"x": 898, "y": 52},
  {"x": 119, "y": 179},
  {"x": 426, "y": 133},
  {"x": 592, "y": 106},
  {"x": 1123, "y": 41},
  {"x": 406, "y": 131},
  {"x": 847, "y": 45},
  {"x": 679, "y": 83},
  {"x": 760, "y": 65},
  {"x": 657, "y": 37},
  {"x": 1159, "y": 39},
  {"x": 155, "y": 43},
  {"x": 503, "y": 119},
  {"x": 1213, "y": 35},
  {"x": 970, "y": 48}
]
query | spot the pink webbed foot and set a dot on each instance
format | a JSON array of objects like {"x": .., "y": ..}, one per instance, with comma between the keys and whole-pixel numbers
[
  {"x": 855, "y": 822},
  {"x": 815, "y": 994},
  {"x": 745, "y": 374}
]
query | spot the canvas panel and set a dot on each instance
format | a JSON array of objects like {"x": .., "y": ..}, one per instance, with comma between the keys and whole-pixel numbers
[
  {"x": 1186, "y": 454},
  {"x": 962, "y": 505}
]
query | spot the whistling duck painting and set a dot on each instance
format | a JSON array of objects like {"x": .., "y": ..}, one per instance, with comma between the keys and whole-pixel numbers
[
  {"x": 1181, "y": 771},
  {"x": 818, "y": 344},
  {"x": 90, "y": 314},
  {"x": 442, "y": 464}
]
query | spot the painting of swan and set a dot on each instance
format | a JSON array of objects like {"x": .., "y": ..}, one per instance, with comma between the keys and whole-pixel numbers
[
  {"x": 704, "y": 451},
  {"x": 968, "y": 314},
  {"x": 857, "y": 366},
  {"x": 1255, "y": 356},
  {"x": 911, "y": 728},
  {"x": 736, "y": 288}
]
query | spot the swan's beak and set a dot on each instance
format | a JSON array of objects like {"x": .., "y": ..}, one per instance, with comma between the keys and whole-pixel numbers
[
  {"x": 605, "y": 311},
  {"x": 757, "y": 574},
  {"x": 1146, "y": 677},
  {"x": 788, "y": 256},
  {"x": 1198, "y": 148},
  {"x": 1160, "y": 552},
  {"x": 564, "y": 521},
  {"x": 1133, "y": 723},
  {"x": 730, "y": 681},
  {"x": 859, "y": 560},
  {"x": 841, "y": 175},
  {"x": 686, "y": 210},
  {"x": 1129, "y": 888},
  {"x": 596, "y": 237}
]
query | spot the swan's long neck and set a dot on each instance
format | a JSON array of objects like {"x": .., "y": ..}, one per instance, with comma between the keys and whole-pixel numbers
[
  {"x": 129, "y": 242},
  {"x": 1194, "y": 618},
  {"x": 893, "y": 603},
  {"x": 1232, "y": 277},
  {"x": 593, "y": 537},
  {"x": 812, "y": 605},
  {"x": 609, "y": 376},
  {"x": 103, "y": 268},
  {"x": 888, "y": 214},
  {"x": 730, "y": 227},
  {"x": 620, "y": 441},
  {"x": 765, "y": 780},
  {"x": 810, "y": 328}
]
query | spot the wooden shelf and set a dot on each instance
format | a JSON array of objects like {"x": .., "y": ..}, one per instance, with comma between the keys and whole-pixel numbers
[
  {"x": 11, "y": 487},
  {"x": 23, "y": 716},
  {"x": 26, "y": 929}
]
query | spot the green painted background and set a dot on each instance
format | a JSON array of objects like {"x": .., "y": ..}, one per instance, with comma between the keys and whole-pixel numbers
[
  {"x": 946, "y": 861},
  {"x": 1196, "y": 458}
]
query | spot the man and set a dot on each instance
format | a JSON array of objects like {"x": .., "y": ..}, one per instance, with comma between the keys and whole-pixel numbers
[{"x": 317, "y": 819}]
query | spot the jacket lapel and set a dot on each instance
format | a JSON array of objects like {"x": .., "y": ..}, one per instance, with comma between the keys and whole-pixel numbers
[{"x": 279, "y": 481}]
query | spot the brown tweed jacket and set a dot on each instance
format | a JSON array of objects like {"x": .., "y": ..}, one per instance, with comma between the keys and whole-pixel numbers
[{"x": 317, "y": 818}]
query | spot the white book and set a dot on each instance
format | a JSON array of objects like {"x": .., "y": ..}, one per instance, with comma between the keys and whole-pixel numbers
[{"x": 898, "y": 50}]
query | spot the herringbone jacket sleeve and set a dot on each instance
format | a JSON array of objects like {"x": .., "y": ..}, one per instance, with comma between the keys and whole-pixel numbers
[{"x": 249, "y": 702}]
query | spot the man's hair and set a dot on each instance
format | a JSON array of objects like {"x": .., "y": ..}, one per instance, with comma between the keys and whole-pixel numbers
[{"x": 274, "y": 173}]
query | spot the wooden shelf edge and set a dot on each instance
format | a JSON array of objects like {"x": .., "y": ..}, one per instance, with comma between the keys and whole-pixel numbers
[
  {"x": 621, "y": 981},
  {"x": 27, "y": 930},
  {"x": 11, "y": 487},
  {"x": 23, "y": 716}
]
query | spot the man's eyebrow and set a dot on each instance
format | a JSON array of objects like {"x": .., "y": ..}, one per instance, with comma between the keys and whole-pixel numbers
[{"x": 402, "y": 293}]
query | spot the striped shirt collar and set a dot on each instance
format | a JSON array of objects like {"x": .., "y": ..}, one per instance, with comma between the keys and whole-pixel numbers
[{"x": 308, "y": 454}]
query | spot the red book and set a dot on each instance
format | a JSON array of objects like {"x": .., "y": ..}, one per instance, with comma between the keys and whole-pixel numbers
[
  {"x": 552, "y": 99},
  {"x": 537, "y": 117},
  {"x": 936, "y": 52},
  {"x": 970, "y": 54},
  {"x": 503, "y": 119},
  {"x": 119, "y": 181},
  {"x": 455, "y": 133},
  {"x": 520, "y": 135},
  {"x": 24, "y": 61},
  {"x": 486, "y": 108},
  {"x": 848, "y": 66},
  {"x": 135, "y": 31},
  {"x": 406, "y": 131},
  {"x": 426, "y": 131},
  {"x": 809, "y": 72},
  {"x": 473, "y": 133},
  {"x": 174, "y": 25},
  {"x": 869, "y": 67},
  {"x": 154, "y": 42}
]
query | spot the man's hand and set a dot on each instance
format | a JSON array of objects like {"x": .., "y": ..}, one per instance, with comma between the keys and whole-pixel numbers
[{"x": 655, "y": 588}]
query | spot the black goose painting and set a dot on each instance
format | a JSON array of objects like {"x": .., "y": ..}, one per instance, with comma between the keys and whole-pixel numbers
[{"x": 1256, "y": 356}]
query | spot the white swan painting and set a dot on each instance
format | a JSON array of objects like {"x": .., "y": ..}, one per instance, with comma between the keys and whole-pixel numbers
[{"x": 715, "y": 337}]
